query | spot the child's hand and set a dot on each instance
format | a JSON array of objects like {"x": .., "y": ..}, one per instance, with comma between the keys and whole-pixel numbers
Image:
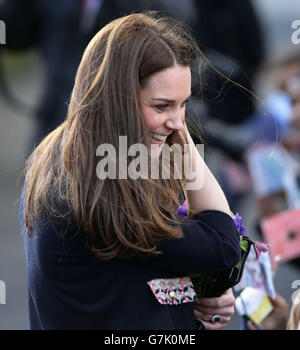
[{"x": 277, "y": 319}]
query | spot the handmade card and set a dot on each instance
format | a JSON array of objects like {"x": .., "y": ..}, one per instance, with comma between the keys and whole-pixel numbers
[
  {"x": 253, "y": 303},
  {"x": 282, "y": 232},
  {"x": 257, "y": 274}
]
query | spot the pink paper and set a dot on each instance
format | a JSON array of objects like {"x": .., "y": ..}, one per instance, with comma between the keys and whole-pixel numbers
[{"x": 282, "y": 232}]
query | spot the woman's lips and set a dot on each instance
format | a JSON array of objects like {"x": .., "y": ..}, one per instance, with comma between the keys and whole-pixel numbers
[{"x": 153, "y": 140}]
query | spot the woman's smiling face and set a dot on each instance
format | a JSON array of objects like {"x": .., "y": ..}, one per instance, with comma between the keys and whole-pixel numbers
[{"x": 163, "y": 100}]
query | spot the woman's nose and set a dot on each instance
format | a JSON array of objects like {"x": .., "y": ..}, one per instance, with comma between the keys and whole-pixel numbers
[{"x": 175, "y": 123}]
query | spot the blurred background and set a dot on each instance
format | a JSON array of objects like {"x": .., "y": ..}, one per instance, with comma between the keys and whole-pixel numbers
[{"x": 251, "y": 42}]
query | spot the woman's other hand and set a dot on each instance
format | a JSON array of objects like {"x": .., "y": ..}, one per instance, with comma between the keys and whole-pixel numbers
[{"x": 223, "y": 306}]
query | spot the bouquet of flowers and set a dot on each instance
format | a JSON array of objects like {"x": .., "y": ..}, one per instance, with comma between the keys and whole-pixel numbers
[{"x": 214, "y": 284}]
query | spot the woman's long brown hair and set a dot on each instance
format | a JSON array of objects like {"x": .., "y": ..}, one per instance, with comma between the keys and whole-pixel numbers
[{"x": 120, "y": 217}]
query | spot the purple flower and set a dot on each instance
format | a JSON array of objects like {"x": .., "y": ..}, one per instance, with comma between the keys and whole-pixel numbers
[
  {"x": 260, "y": 247},
  {"x": 182, "y": 209},
  {"x": 238, "y": 221}
]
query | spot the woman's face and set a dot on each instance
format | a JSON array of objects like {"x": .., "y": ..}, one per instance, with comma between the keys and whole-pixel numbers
[{"x": 163, "y": 102}]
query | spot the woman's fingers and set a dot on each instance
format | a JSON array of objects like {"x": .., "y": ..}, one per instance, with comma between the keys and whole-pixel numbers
[
  {"x": 213, "y": 326},
  {"x": 227, "y": 299},
  {"x": 205, "y": 308},
  {"x": 227, "y": 311},
  {"x": 207, "y": 318}
]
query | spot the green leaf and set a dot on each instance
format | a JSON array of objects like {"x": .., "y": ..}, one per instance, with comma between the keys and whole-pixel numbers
[{"x": 243, "y": 244}]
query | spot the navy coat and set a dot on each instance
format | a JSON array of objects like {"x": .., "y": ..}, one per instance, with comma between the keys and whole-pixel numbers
[{"x": 69, "y": 288}]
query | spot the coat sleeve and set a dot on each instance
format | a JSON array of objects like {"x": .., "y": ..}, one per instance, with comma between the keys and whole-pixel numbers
[{"x": 210, "y": 243}]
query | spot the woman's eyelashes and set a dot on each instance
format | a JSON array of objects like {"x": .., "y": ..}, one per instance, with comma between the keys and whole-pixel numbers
[
  {"x": 163, "y": 107},
  {"x": 185, "y": 102}
]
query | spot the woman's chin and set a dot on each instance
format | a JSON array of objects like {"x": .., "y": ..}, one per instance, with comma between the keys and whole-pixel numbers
[{"x": 156, "y": 150}]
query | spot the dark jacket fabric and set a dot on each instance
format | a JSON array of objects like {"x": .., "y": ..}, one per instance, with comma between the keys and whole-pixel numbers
[{"x": 69, "y": 288}]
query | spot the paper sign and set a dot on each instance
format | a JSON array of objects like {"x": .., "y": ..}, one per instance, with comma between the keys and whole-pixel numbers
[
  {"x": 254, "y": 303},
  {"x": 274, "y": 170},
  {"x": 282, "y": 232},
  {"x": 257, "y": 274}
]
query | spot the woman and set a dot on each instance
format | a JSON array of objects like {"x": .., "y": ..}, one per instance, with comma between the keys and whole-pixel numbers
[{"x": 95, "y": 246}]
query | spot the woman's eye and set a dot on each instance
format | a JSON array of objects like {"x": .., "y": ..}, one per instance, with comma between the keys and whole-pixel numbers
[
  {"x": 184, "y": 103},
  {"x": 161, "y": 107}
]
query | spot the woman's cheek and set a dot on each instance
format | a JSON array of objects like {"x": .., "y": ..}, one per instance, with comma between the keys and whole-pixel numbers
[
  {"x": 183, "y": 115},
  {"x": 152, "y": 119}
]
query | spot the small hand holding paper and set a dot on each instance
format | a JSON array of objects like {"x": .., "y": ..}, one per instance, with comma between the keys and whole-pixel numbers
[{"x": 277, "y": 318}]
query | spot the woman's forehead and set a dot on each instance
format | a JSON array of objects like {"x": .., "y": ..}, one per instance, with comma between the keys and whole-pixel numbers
[{"x": 170, "y": 82}]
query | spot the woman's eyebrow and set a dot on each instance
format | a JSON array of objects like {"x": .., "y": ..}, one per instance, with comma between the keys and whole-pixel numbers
[
  {"x": 162, "y": 99},
  {"x": 168, "y": 100}
]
